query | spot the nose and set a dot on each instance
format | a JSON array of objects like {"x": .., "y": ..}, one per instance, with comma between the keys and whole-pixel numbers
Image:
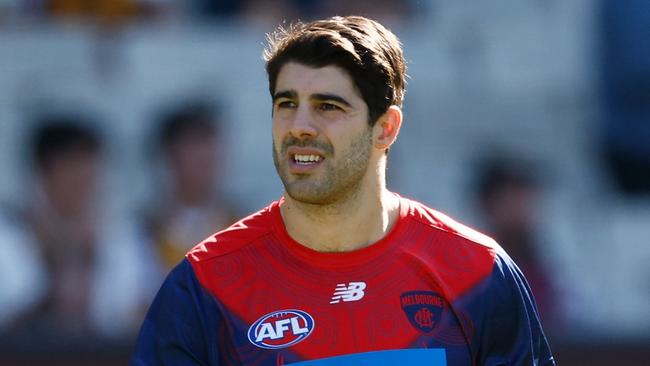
[{"x": 303, "y": 124}]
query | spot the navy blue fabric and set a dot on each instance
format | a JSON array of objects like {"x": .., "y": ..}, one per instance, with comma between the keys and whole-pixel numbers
[
  {"x": 181, "y": 325},
  {"x": 506, "y": 319}
]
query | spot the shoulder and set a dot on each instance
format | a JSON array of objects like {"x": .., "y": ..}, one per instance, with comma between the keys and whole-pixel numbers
[
  {"x": 461, "y": 257},
  {"x": 441, "y": 223},
  {"x": 237, "y": 236}
]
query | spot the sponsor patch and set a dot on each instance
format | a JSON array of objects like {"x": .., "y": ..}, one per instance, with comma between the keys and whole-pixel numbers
[
  {"x": 423, "y": 309},
  {"x": 281, "y": 329}
]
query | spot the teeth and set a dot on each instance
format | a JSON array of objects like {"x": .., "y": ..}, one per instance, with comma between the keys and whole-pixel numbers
[{"x": 306, "y": 158}]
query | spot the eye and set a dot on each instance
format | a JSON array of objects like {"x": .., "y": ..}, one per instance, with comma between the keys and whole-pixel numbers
[
  {"x": 329, "y": 107},
  {"x": 285, "y": 104}
]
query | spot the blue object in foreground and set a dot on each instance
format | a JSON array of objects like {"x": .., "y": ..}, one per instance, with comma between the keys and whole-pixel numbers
[{"x": 423, "y": 356}]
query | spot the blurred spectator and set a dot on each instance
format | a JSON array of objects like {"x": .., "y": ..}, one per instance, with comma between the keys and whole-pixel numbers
[
  {"x": 192, "y": 205},
  {"x": 82, "y": 271},
  {"x": 261, "y": 11},
  {"x": 392, "y": 11},
  {"x": 116, "y": 13},
  {"x": 265, "y": 13},
  {"x": 625, "y": 30},
  {"x": 106, "y": 12},
  {"x": 508, "y": 193},
  {"x": 67, "y": 158}
]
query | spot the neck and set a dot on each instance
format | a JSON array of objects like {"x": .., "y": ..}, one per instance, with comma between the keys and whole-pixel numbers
[{"x": 349, "y": 224}]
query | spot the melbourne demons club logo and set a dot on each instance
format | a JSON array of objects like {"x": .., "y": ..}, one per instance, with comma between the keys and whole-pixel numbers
[
  {"x": 281, "y": 329},
  {"x": 423, "y": 309}
]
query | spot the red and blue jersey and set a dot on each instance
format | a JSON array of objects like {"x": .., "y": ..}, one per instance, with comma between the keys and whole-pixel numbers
[{"x": 431, "y": 292}]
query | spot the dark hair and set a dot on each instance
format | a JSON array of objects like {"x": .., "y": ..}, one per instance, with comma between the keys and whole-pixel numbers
[
  {"x": 56, "y": 135},
  {"x": 496, "y": 173},
  {"x": 191, "y": 119},
  {"x": 370, "y": 53}
]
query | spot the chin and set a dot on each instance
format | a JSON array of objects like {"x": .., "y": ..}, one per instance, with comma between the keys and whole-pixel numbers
[
  {"x": 309, "y": 197},
  {"x": 315, "y": 196}
]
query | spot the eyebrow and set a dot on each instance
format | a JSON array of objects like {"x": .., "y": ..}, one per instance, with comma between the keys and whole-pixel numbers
[{"x": 291, "y": 94}]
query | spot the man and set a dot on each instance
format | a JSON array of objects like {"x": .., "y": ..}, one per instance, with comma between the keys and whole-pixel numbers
[
  {"x": 340, "y": 270},
  {"x": 508, "y": 191},
  {"x": 74, "y": 270},
  {"x": 191, "y": 206}
]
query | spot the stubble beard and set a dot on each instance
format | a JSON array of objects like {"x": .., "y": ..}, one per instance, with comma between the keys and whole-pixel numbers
[{"x": 337, "y": 181}]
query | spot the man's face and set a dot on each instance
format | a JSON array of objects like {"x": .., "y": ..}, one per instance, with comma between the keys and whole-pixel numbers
[
  {"x": 193, "y": 162},
  {"x": 70, "y": 179},
  {"x": 322, "y": 143}
]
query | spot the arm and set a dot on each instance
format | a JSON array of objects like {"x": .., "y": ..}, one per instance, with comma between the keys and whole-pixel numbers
[
  {"x": 511, "y": 332},
  {"x": 179, "y": 328}
]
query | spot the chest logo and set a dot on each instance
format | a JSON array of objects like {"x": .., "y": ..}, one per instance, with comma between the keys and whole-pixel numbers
[
  {"x": 350, "y": 292},
  {"x": 281, "y": 329},
  {"x": 423, "y": 309}
]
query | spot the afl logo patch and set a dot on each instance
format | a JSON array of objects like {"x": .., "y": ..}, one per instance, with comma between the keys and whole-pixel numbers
[{"x": 281, "y": 329}]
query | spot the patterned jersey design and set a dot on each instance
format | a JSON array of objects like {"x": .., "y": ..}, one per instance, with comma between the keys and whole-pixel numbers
[{"x": 431, "y": 292}]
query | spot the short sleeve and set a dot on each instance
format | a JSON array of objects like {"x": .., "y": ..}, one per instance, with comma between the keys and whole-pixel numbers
[{"x": 511, "y": 332}]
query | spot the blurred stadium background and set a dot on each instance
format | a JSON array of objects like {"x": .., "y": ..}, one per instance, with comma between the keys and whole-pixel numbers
[{"x": 544, "y": 101}]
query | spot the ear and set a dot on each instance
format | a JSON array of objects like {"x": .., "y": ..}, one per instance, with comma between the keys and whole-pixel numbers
[{"x": 387, "y": 128}]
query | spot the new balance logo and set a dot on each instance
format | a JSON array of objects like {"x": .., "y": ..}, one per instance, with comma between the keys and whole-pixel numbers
[{"x": 351, "y": 292}]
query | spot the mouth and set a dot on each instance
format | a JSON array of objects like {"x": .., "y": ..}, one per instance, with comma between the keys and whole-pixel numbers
[
  {"x": 303, "y": 160},
  {"x": 306, "y": 159}
]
